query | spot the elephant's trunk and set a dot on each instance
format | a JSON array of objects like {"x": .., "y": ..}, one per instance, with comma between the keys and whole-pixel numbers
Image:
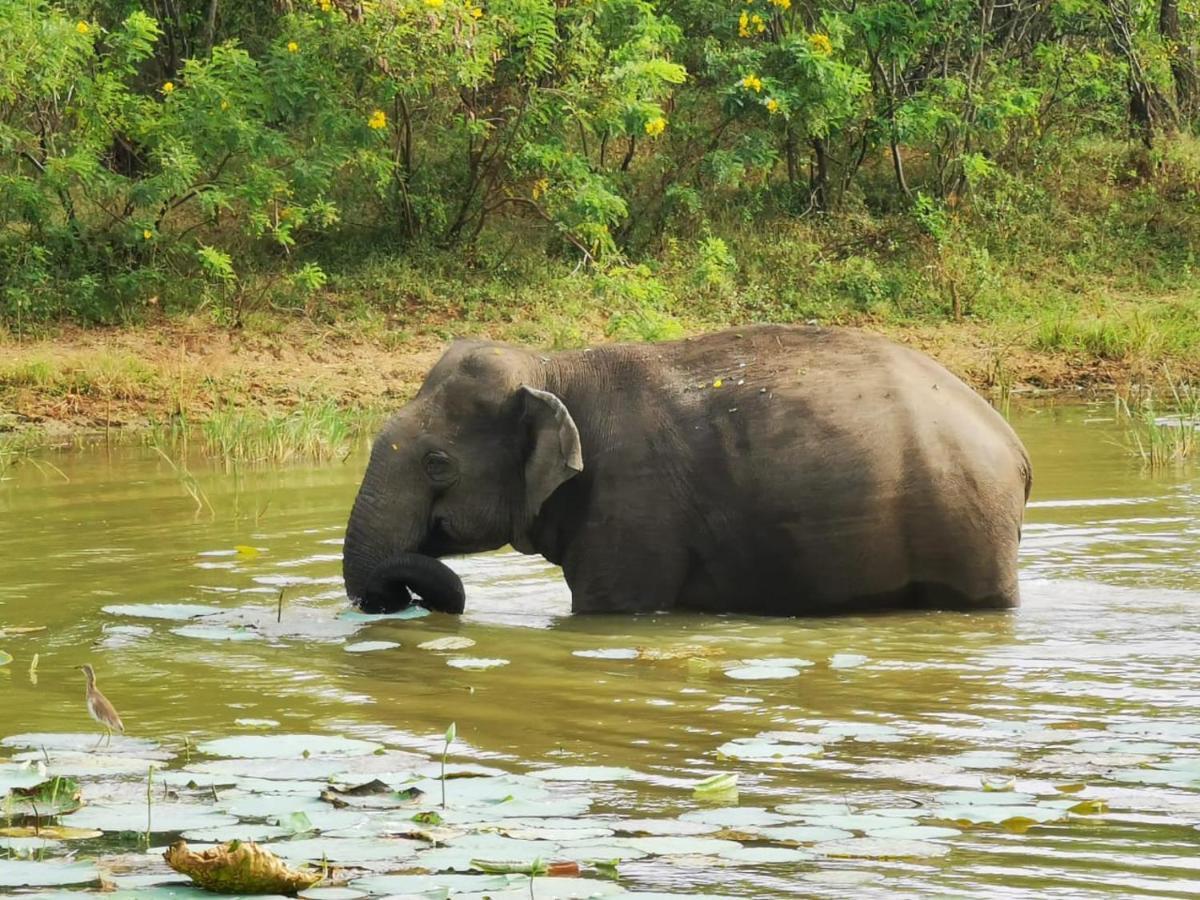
[{"x": 382, "y": 570}]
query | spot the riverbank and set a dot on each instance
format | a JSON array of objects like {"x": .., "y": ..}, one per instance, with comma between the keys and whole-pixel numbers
[{"x": 187, "y": 371}]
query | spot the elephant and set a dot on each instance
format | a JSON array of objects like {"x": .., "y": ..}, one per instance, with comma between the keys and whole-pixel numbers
[{"x": 769, "y": 470}]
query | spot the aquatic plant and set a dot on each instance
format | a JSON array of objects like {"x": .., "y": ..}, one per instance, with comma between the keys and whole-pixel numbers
[
  {"x": 1162, "y": 437},
  {"x": 451, "y": 733}
]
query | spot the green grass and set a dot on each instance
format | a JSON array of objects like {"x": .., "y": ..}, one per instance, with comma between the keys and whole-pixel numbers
[
  {"x": 318, "y": 431},
  {"x": 1165, "y": 433}
]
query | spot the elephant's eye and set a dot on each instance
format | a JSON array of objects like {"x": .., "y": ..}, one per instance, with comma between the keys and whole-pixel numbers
[{"x": 440, "y": 468}]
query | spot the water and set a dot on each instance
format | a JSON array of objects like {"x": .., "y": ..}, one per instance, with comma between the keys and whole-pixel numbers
[{"x": 1092, "y": 681}]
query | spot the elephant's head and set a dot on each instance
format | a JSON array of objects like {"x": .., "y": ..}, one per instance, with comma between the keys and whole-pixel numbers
[{"x": 464, "y": 467}]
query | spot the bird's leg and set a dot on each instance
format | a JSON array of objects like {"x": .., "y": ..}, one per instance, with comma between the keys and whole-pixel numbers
[
  {"x": 99, "y": 741},
  {"x": 107, "y": 736}
]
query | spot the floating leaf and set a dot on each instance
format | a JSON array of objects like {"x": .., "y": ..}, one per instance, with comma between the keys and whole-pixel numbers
[
  {"x": 295, "y": 822},
  {"x": 409, "y": 612},
  {"x": 474, "y": 662},
  {"x": 685, "y": 651},
  {"x": 846, "y": 660},
  {"x": 237, "y": 868},
  {"x": 609, "y": 653},
  {"x": 51, "y": 832},
  {"x": 5, "y": 658},
  {"x": 998, "y": 782},
  {"x": 164, "y": 817},
  {"x": 717, "y": 786},
  {"x": 245, "y": 551},
  {"x": 346, "y": 851},
  {"x": 451, "y": 642},
  {"x": 169, "y": 611},
  {"x": 734, "y": 817},
  {"x": 1094, "y": 807},
  {"x": 370, "y": 646},
  {"x": 802, "y": 834},
  {"x": 757, "y": 856},
  {"x": 663, "y": 827},
  {"x": 57, "y": 796},
  {"x": 761, "y": 673},
  {"x": 51, "y": 873},
  {"x": 286, "y": 746},
  {"x": 759, "y": 750}
]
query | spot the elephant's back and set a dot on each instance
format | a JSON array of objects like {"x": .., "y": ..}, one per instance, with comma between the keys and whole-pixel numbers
[{"x": 857, "y": 464}]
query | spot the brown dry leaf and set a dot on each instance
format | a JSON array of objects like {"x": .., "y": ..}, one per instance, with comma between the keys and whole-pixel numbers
[
  {"x": 685, "y": 651},
  {"x": 238, "y": 868}
]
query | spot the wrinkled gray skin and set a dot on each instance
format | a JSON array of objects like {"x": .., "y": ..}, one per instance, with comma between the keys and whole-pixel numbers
[{"x": 829, "y": 472}]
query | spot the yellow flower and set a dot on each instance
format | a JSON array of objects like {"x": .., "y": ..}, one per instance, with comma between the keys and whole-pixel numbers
[
  {"x": 744, "y": 24},
  {"x": 224, "y": 104},
  {"x": 83, "y": 27},
  {"x": 539, "y": 187},
  {"x": 656, "y": 126},
  {"x": 147, "y": 234},
  {"x": 759, "y": 25},
  {"x": 782, "y": 4},
  {"x": 820, "y": 44},
  {"x": 293, "y": 47},
  {"x": 168, "y": 87},
  {"x": 435, "y": 4},
  {"x": 718, "y": 383},
  {"x": 752, "y": 83},
  {"x": 772, "y": 106},
  {"x": 325, "y": 5},
  {"x": 378, "y": 120},
  {"x": 476, "y": 12}
]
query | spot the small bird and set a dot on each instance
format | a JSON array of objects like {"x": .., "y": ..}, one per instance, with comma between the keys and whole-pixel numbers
[{"x": 99, "y": 707}]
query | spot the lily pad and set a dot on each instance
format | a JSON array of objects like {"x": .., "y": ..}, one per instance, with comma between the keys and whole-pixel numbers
[
  {"x": 881, "y": 848},
  {"x": 287, "y": 746},
  {"x": 164, "y": 817},
  {"x": 681, "y": 846},
  {"x": 847, "y": 660},
  {"x": 450, "y": 642},
  {"x": 475, "y": 662},
  {"x": 663, "y": 827},
  {"x": 802, "y": 834},
  {"x": 754, "y": 750},
  {"x": 85, "y": 743},
  {"x": 984, "y": 798},
  {"x": 734, "y": 817},
  {"x": 409, "y": 612},
  {"x": 607, "y": 653},
  {"x": 175, "y": 612},
  {"x": 370, "y": 646},
  {"x": 915, "y": 832},
  {"x": 5, "y": 658},
  {"x": 50, "y": 832},
  {"x": 51, "y": 873},
  {"x": 757, "y": 856},
  {"x": 346, "y": 851},
  {"x": 587, "y": 773},
  {"x": 416, "y": 885},
  {"x": 761, "y": 673}
]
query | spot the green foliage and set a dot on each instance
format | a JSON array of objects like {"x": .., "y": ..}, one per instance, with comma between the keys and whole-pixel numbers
[{"x": 168, "y": 162}]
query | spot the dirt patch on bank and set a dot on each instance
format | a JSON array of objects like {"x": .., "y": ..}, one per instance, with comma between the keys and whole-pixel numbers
[{"x": 88, "y": 379}]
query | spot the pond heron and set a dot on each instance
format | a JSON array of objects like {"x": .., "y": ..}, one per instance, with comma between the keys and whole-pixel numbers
[{"x": 99, "y": 708}]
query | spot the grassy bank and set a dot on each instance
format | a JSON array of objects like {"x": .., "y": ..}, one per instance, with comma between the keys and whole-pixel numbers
[{"x": 1083, "y": 280}]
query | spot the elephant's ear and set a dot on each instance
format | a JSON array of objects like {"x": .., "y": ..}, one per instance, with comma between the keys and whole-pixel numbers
[{"x": 554, "y": 454}]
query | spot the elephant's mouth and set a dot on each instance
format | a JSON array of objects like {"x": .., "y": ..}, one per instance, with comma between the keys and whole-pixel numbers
[{"x": 391, "y": 586}]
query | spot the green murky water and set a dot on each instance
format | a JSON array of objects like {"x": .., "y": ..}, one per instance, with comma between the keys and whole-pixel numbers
[{"x": 841, "y": 731}]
